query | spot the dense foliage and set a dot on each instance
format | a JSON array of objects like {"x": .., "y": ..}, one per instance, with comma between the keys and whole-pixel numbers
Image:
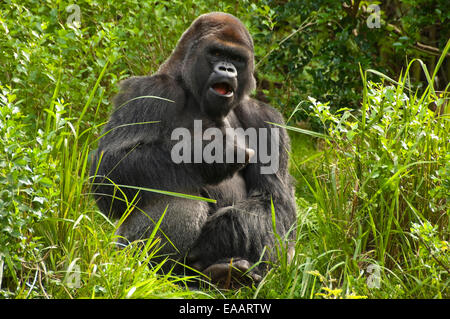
[{"x": 372, "y": 184}]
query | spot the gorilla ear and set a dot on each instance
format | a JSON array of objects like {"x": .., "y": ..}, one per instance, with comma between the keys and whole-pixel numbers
[{"x": 252, "y": 83}]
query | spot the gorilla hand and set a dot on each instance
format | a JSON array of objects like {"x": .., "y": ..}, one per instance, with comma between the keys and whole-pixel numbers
[{"x": 230, "y": 274}]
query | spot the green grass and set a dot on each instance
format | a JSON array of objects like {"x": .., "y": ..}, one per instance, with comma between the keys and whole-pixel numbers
[{"x": 374, "y": 223}]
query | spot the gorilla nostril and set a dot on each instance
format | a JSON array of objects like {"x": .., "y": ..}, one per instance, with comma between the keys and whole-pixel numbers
[{"x": 225, "y": 69}]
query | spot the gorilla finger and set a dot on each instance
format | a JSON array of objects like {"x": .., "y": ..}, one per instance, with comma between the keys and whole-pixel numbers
[
  {"x": 241, "y": 264},
  {"x": 217, "y": 272},
  {"x": 255, "y": 277},
  {"x": 249, "y": 154}
]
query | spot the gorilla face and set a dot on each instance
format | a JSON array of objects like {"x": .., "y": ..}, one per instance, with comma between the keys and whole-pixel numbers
[
  {"x": 223, "y": 80},
  {"x": 214, "y": 59},
  {"x": 222, "y": 83}
]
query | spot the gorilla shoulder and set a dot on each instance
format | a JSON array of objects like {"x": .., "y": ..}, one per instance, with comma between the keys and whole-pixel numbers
[
  {"x": 254, "y": 113},
  {"x": 162, "y": 88}
]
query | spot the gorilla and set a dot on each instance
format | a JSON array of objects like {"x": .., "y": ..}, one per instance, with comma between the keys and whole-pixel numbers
[{"x": 207, "y": 78}]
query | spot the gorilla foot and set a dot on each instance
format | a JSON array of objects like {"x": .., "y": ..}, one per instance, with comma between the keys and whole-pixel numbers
[{"x": 232, "y": 274}]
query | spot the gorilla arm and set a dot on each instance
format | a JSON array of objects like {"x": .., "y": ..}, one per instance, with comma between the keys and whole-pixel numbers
[
  {"x": 136, "y": 153},
  {"x": 244, "y": 229}
]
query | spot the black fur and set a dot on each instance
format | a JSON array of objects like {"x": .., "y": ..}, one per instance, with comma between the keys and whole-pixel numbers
[{"x": 239, "y": 225}]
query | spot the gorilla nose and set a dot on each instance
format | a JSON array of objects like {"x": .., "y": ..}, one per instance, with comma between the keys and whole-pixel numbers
[{"x": 225, "y": 69}]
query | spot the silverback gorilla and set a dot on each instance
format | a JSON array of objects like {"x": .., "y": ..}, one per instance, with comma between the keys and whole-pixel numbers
[{"x": 208, "y": 78}]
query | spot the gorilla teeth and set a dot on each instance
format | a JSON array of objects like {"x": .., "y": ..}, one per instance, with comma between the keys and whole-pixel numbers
[{"x": 222, "y": 88}]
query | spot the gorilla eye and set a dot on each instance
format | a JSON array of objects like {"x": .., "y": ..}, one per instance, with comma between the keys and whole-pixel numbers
[
  {"x": 239, "y": 59},
  {"x": 233, "y": 56},
  {"x": 215, "y": 53}
]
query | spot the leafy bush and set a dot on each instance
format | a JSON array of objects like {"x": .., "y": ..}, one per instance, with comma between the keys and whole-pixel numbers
[
  {"x": 315, "y": 48},
  {"x": 380, "y": 198},
  {"x": 27, "y": 179},
  {"x": 396, "y": 156}
]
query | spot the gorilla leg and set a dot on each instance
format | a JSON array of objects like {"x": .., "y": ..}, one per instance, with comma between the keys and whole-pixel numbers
[
  {"x": 244, "y": 231},
  {"x": 181, "y": 224}
]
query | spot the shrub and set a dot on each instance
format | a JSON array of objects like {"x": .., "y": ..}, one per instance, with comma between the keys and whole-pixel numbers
[
  {"x": 27, "y": 176},
  {"x": 385, "y": 182}
]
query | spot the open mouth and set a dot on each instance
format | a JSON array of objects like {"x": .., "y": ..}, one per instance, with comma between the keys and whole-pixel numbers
[{"x": 223, "y": 89}]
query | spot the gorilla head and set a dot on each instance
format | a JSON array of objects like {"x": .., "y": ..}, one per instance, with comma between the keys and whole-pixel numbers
[{"x": 214, "y": 61}]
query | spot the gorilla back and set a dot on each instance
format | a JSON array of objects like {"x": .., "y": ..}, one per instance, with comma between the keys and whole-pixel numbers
[{"x": 208, "y": 78}]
